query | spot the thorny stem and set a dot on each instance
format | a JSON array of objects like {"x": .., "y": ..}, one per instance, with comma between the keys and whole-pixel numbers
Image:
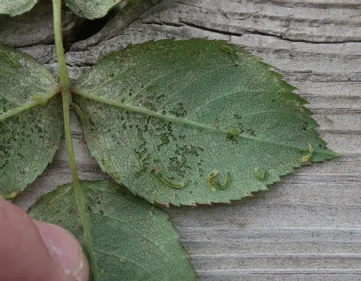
[{"x": 65, "y": 84}]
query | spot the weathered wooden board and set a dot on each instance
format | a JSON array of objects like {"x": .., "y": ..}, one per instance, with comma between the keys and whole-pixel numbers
[{"x": 309, "y": 226}]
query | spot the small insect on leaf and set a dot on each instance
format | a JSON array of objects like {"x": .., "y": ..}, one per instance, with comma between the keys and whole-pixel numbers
[
  {"x": 226, "y": 183},
  {"x": 79, "y": 112},
  {"x": 162, "y": 177},
  {"x": 232, "y": 50},
  {"x": 233, "y": 132},
  {"x": 213, "y": 184},
  {"x": 113, "y": 173},
  {"x": 10, "y": 196},
  {"x": 260, "y": 174},
  {"x": 307, "y": 157},
  {"x": 40, "y": 99},
  {"x": 211, "y": 180}
]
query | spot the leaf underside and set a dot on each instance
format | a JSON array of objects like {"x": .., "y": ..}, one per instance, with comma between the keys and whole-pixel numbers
[
  {"x": 16, "y": 7},
  {"x": 91, "y": 9},
  {"x": 29, "y": 133},
  {"x": 189, "y": 108},
  {"x": 131, "y": 239},
  {"x": 84, "y": 8}
]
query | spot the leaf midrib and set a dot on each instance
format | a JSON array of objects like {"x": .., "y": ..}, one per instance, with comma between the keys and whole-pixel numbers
[
  {"x": 186, "y": 122},
  {"x": 27, "y": 106},
  {"x": 18, "y": 110}
]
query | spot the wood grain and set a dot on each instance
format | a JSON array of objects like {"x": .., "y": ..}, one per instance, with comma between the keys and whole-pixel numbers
[{"x": 309, "y": 226}]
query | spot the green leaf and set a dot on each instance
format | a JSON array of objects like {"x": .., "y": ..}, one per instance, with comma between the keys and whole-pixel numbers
[
  {"x": 16, "y": 7},
  {"x": 30, "y": 120},
  {"x": 163, "y": 117},
  {"x": 91, "y": 9},
  {"x": 131, "y": 239}
]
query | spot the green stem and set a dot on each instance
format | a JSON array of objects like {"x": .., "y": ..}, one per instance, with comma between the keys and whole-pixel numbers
[
  {"x": 65, "y": 84},
  {"x": 63, "y": 72}
]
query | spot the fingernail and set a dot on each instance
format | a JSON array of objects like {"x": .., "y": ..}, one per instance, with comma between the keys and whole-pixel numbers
[{"x": 65, "y": 250}]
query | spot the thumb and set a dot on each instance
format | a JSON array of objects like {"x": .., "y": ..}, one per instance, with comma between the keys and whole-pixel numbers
[{"x": 36, "y": 251}]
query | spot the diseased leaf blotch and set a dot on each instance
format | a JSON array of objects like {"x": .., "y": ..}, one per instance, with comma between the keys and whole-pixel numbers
[
  {"x": 16, "y": 7},
  {"x": 92, "y": 9},
  {"x": 31, "y": 121},
  {"x": 131, "y": 239},
  {"x": 307, "y": 157},
  {"x": 188, "y": 108}
]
